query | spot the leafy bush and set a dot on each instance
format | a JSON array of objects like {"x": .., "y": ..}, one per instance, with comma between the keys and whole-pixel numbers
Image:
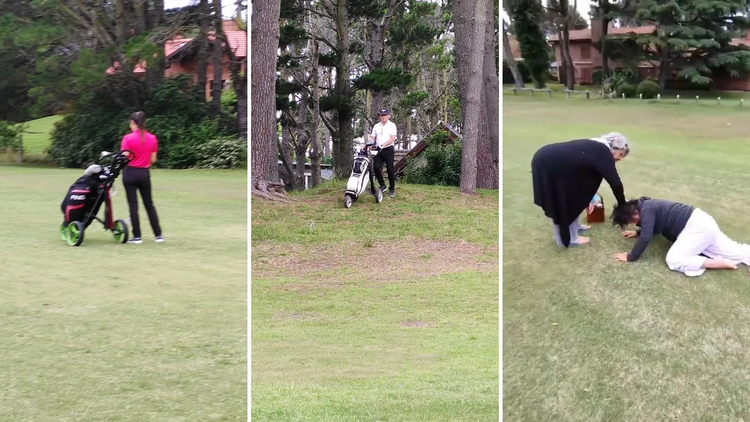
[
  {"x": 648, "y": 89},
  {"x": 223, "y": 153},
  {"x": 627, "y": 89},
  {"x": 596, "y": 76},
  {"x": 443, "y": 163},
  {"x": 617, "y": 78},
  {"x": 9, "y": 135},
  {"x": 174, "y": 114}
]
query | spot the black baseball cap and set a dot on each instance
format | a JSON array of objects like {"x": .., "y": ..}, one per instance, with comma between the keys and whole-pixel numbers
[{"x": 383, "y": 112}]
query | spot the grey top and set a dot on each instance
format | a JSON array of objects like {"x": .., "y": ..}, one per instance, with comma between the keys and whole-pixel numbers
[{"x": 659, "y": 217}]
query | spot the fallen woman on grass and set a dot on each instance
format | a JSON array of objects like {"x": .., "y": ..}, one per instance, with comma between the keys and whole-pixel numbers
[{"x": 698, "y": 245}]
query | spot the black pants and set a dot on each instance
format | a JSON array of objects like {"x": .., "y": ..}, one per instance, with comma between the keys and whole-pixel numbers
[
  {"x": 139, "y": 179},
  {"x": 385, "y": 155}
]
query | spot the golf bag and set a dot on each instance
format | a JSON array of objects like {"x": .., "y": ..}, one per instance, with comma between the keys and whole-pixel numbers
[
  {"x": 86, "y": 196},
  {"x": 83, "y": 197},
  {"x": 356, "y": 185}
]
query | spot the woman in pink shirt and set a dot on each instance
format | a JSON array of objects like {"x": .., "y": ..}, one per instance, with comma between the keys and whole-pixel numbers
[{"x": 136, "y": 176}]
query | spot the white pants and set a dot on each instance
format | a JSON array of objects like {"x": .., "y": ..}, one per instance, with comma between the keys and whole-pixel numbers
[{"x": 702, "y": 235}]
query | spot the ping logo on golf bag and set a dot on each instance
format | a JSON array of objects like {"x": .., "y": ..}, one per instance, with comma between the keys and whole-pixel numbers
[{"x": 77, "y": 197}]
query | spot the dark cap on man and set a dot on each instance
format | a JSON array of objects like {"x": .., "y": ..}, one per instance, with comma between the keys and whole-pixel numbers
[{"x": 384, "y": 112}]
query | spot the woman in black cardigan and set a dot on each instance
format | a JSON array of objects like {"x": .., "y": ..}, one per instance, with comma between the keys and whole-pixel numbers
[{"x": 567, "y": 175}]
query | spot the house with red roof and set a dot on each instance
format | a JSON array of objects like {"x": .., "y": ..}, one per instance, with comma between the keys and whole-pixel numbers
[
  {"x": 181, "y": 57},
  {"x": 586, "y": 58}
]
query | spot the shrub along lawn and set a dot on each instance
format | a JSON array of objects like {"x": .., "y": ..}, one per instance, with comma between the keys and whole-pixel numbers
[{"x": 587, "y": 338}]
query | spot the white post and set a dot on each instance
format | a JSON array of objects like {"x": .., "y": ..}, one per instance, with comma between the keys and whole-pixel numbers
[
  {"x": 678, "y": 96},
  {"x": 718, "y": 100},
  {"x": 623, "y": 95},
  {"x": 640, "y": 96},
  {"x": 742, "y": 101},
  {"x": 658, "y": 97},
  {"x": 696, "y": 98}
]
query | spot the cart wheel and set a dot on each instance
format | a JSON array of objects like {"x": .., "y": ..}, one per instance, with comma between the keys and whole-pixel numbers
[
  {"x": 75, "y": 233},
  {"x": 348, "y": 201},
  {"x": 378, "y": 196},
  {"x": 120, "y": 231},
  {"x": 63, "y": 233}
]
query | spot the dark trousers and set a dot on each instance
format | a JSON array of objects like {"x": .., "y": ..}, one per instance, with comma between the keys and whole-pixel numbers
[
  {"x": 139, "y": 179},
  {"x": 385, "y": 156}
]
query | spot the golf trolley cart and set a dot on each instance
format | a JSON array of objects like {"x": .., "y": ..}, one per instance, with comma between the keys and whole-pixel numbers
[
  {"x": 361, "y": 172},
  {"x": 86, "y": 195}
]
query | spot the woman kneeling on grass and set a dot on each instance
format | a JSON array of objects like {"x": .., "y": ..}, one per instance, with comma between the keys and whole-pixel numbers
[
  {"x": 136, "y": 176},
  {"x": 567, "y": 175},
  {"x": 698, "y": 244}
]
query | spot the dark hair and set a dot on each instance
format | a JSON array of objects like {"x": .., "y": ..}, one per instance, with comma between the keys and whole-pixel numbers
[
  {"x": 139, "y": 118},
  {"x": 622, "y": 214}
]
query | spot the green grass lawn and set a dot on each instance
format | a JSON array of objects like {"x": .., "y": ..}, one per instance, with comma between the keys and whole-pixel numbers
[
  {"x": 38, "y": 141},
  {"x": 705, "y": 97},
  {"x": 382, "y": 312},
  {"x": 106, "y": 331},
  {"x": 589, "y": 339}
]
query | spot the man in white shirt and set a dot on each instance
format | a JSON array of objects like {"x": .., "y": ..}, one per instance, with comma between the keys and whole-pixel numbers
[{"x": 384, "y": 134}]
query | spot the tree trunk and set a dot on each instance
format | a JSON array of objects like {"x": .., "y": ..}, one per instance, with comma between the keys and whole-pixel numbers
[
  {"x": 375, "y": 47},
  {"x": 159, "y": 10},
  {"x": 343, "y": 156},
  {"x": 664, "y": 67},
  {"x": 473, "y": 104},
  {"x": 315, "y": 141},
  {"x": 564, "y": 27},
  {"x": 264, "y": 140},
  {"x": 302, "y": 141},
  {"x": 203, "y": 50},
  {"x": 286, "y": 173},
  {"x": 140, "y": 17},
  {"x": 508, "y": 55},
  {"x": 218, "y": 54},
  {"x": 603, "y": 5},
  {"x": 488, "y": 145}
]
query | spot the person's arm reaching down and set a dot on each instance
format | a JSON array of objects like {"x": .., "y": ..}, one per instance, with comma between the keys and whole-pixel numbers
[
  {"x": 647, "y": 231},
  {"x": 608, "y": 170}
]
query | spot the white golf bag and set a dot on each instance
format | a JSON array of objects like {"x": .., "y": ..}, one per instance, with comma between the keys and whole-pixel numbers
[{"x": 361, "y": 174}]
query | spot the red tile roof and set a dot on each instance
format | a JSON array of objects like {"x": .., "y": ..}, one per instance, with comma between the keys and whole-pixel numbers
[
  {"x": 585, "y": 34},
  {"x": 237, "y": 42}
]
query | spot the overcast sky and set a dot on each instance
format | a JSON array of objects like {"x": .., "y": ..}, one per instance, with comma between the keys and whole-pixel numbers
[
  {"x": 583, "y": 6},
  {"x": 230, "y": 9}
]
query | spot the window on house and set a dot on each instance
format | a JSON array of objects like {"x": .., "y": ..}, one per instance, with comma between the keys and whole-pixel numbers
[{"x": 585, "y": 51}]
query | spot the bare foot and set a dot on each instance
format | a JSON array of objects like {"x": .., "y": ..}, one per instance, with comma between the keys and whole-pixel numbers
[
  {"x": 583, "y": 240},
  {"x": 720, "y": 264}
]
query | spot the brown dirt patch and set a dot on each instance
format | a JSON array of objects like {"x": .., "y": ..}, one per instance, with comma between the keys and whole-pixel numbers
[{"x": 390, "y": 260}]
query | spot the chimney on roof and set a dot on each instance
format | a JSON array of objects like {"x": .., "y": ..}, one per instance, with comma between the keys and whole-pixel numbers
[
  {"x": 230, "y": 25},
  {"x": 596, "y": 29}
]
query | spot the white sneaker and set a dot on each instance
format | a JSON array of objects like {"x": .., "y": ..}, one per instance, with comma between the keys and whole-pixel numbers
[
  {"x": 135, "y": 241},
  {"x": 159, "y": 239}
]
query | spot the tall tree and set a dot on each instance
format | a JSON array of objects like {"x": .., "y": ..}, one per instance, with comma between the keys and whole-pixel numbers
[
  {"x": 217, "y": 59},
  {"x": 472, "y": 13},
  {"x": 694, "y": 36},
  {"x": 561, "y": 16},
  {"x": 203, "y": 50},
  {"x": 265, "y": 41},
  {"x": 315, "y": 141},
  {"x": 488, "y": 144},
  {"x": 509, "y": 59},
  {"x": 527, "y": 18}
]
